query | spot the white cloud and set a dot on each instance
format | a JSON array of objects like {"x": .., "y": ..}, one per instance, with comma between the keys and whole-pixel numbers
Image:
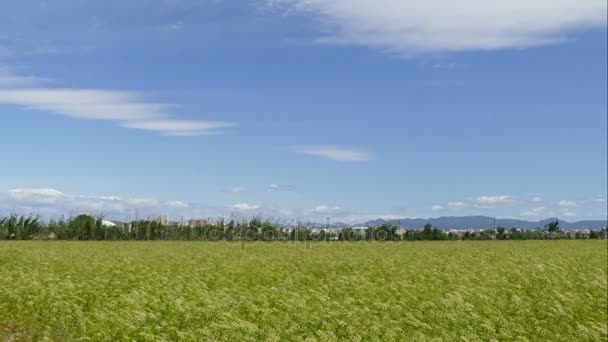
[
  {"x": 448, "y": 66},
  {"x": 537, "y": 199},
  {"x": 245, "y": 206},
  {"x": 238, "y": 190},
  {"x": 279, "y": 187},
  {"x": 334, "y": 153},
  {"x": 127, "y": 109},
  {"x": 143, "y": 202},
  {"x": 52, "y": 202},
  {"x": 407, "y": 26},
  {"x": 534, "y": 212},
  {"x": 362, "y": 218},
  {"x": 484, "y": 202},
  {"x": 44, "y": 195},
  {"x": 437, "y": 207},
  {"x": 599, "y": 200},
  {"x": 110, "y": 198},
  {"x": 85, "y": 104},
  {"x": 178, "y": 204},
  {"x": 496, "y": 200},
  {"x": 9, "y": 78},
  {"x": 173, "y": 27},
  {"x": 567, "y": 204},
  {"x": 178, "y": 127},
  {"x": 326, "y": 210},
  {"x": 458, "y": 204}
]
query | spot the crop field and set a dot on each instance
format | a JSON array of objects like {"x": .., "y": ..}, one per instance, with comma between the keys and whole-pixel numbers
[{"x": 193, "y": 291}]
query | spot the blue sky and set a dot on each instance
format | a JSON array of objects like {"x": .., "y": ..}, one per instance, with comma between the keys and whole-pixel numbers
[{"x": 304, "y": 108}]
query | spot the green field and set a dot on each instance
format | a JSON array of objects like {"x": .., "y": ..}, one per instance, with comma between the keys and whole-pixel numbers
[{"x": 470, "y": 291}]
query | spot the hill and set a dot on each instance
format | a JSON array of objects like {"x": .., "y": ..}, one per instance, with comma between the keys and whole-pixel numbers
[{"x": 484, "y": 222}]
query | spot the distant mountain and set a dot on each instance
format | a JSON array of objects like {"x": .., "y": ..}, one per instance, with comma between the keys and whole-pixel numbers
[
  {"x": 336, "y": 225},
  {"x": 483, "y": 222}
]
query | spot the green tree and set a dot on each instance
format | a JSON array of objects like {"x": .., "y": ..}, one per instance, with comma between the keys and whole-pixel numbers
[
  {"x": 82, "y": 227},
  {"x": 552, "y": 227},
  {"x": 427, "y": 232}
]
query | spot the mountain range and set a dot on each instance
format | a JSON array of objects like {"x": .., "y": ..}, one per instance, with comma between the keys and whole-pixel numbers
[{"x": 481, "y": 222}]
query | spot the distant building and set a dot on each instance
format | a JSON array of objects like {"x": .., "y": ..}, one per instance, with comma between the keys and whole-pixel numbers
[
  {"x": 107, "y": 223},
  {"x": 163, "y": 220}
]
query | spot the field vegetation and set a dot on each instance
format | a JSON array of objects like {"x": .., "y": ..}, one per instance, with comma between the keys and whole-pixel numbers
[{"x": 294, "y": 291}]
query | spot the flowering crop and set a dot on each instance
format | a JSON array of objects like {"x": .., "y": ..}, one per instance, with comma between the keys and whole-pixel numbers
[{"x": 148, "y": 291}]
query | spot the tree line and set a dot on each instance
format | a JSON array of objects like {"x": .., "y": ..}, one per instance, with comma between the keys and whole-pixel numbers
[{"x": 86, "y": 227}]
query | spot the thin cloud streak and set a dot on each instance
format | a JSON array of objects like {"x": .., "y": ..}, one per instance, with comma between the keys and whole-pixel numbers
[
  {"x": 238, "y": 190},
  {"x": 126, "y": 109},
  {"x": 10, "y": 79},
  {"x": 245, "y": 206},
  {"x": 334, "y": 153},
  {"x": 496, "y": 200},
  {"x": 179, "y": 127},
  {"x": 280, "y": 187},
  {"x": 567, "y": 204}
]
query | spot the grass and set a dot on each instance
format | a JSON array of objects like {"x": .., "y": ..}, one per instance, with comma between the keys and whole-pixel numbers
[{"x": 146, "y": 291}]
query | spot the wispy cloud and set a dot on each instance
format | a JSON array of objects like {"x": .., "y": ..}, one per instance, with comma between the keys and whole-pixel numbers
[
  {"x": 142, "y": 202},
  {"x": 437, "y": 207},
  {"x": 326, "y": 210},
  {"x": 484, "y": 202},
  {"x": 173, "y": 27},
  {"x": 409, "y": 26},
  {"x": 43, "y": 195},
  {"x": 238, "y": 190},
  {"x": 85, "y": 104},
  {"x": 51, "y": 202},
  {"x": 445, "y": 65},
  {"x": 496, "y": 200},
  {"x": 245, "y": 206},
  {"x": 334, "y": 153},
  {"x": 534, "y": 212},
  {"x": 178, "y": 204},
  {"x": 280, "y": 187},
  {"x": 458, "y": 204},
  {"x": 179, "y": 127},
  {"x": 567, "y": 204},
  {"x": 10, "y": 79},
  {"x": 127, "y": 109}
]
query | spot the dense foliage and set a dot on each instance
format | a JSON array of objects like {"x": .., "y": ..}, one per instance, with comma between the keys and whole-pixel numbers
[
  {"x": 351, "y": 291},
  {"x": 84, "y": 227}
]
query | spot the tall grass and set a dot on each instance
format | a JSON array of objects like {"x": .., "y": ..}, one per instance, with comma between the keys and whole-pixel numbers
[{"x": 184, "y": 291}]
